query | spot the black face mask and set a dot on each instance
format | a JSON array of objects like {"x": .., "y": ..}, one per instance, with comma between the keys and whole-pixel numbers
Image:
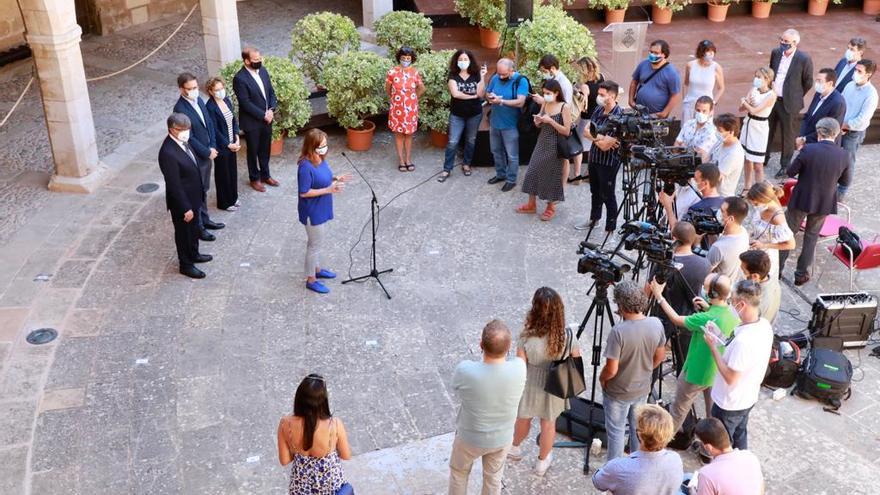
[{"x": 256, "y": 65}]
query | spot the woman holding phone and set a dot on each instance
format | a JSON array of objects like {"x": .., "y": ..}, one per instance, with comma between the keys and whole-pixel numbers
[{"x": 544, "y": 176}]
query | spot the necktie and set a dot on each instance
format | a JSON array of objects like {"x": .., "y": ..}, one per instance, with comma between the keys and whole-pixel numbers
[{"x": 190, "y": 153}]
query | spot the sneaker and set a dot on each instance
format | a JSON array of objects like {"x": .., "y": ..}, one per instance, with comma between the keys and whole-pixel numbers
[
  {"x": 232, "y": 208},
  {"x": 317, "y": 286},
  {"x": 515, "y": 453},
  {"x": 543, "y": 465},
  {"x": 323, "y": 273},
  {"x": 589, "y": 224}
]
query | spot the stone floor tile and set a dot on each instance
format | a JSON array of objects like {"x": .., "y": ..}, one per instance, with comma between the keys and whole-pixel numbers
[
  {"x": 11, "y": 321},
  {"x": 15, "y": 422},
  {"x": 64, "y": 398},
  {"x": 72, "y": 274}
]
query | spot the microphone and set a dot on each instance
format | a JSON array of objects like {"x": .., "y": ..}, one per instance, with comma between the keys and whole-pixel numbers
[{"x": 372, "y": 191}]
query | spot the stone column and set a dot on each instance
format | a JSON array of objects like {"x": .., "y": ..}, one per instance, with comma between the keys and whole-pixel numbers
[
  {"x": 54, "y": 36},
  {"x": 374, "y": 9},
  {"x": 222, "y": 41}
]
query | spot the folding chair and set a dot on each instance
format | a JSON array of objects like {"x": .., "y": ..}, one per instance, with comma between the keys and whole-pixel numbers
[{"x": 867, "y": 259}]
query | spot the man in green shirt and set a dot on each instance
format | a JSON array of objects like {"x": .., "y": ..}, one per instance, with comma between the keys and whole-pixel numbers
[{"x": 699, "y": 369}]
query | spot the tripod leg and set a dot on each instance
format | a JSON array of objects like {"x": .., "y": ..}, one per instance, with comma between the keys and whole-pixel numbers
[{"x": 383, "y": 285}]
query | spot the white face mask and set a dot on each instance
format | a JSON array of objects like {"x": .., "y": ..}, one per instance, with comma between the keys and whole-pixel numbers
[
  {"x": 720, "y": 217},
  {"x": 547, "y": 75},
  {"x": 819, "y": 87},
  {"x": 708, "y": 57},
  {"x": 192, "y": 94},
  {"x": 601, "y": 100},
  {"x": 758, "y": 82},
  {"x": 859, "y": 78},
  {"x": 702, "y": 118},
  {"x": 464, "y": 64},
  {"x": 851, "y": 55},
  {"x": 549, "y": 98},
  {"x": 220, "y": 93},
  {"x": 322, "y": 150},
  {"x": 183, "y": 135}
]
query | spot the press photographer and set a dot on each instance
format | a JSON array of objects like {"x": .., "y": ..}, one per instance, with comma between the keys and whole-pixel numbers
[{"x": 706, "y": 179}]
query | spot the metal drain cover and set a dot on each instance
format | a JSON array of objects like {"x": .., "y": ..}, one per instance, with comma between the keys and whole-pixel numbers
[
  {"x": 147, "y": 188},
  {"x": 42, "y": 336}
]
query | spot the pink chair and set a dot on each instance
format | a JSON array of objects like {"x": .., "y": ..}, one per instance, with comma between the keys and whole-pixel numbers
[{"x": 867, "y": 259}]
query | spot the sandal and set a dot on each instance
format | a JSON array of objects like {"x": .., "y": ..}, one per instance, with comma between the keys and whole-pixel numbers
[
  {"x": 526, "y": 208},
  {"x": 548, "y": 213},
  {"x": 401, "y": 168},
  {"x": 410, "y": 167},
  {"x": 466, "y": 170},
  {"x": 443, "y": 176}
]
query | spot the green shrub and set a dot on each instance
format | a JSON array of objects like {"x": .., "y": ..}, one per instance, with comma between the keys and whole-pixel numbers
[
  {"x": 356, "y": 87},
  {"x": 403, "y": 28},
  {"x": 608, "y": 4},
  {"x": 488, "y": 14},
  {"x": 294, "y": 109},
  {"x": 552, "y": 31},
  {"x": 434, "y": 103},
  {"x": 318, "y": 37},
  {"x": 677, "y": 5}
]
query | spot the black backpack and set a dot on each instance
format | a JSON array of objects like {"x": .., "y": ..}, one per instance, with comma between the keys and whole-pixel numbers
[
  {"x": 685, "y": 436},
  {"x": 783, "y": 369},
  {"x": 850, "y": 239},
  {"x": 825, "y": 376},
  {"x": 525, "y": 124}
]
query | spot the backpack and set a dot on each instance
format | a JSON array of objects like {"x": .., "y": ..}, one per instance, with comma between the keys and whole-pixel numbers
[
  {"x": 826, "y": 376},
  {"x": 525, "y": 124},
  {"x": 783, "y": 368},
  {"x": 685, "y": 436},
  {"x": 851, "y": 240}
]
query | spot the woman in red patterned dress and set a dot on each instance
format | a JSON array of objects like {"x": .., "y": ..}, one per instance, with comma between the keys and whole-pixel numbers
[{"x": 404, "y": 86}]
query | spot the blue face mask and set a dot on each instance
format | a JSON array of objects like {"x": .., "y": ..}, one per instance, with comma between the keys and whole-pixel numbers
[
  {"x": 653, "y": 58},
  {"x": 405, "y": 63},
  {"x": 785, "y": 46}
]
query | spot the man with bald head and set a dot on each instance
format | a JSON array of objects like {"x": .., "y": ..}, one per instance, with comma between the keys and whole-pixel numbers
[
  {"x": 793, "y": 70},
  {"x": 489, "y": 391},
  {"x": 506, "y": 92}
]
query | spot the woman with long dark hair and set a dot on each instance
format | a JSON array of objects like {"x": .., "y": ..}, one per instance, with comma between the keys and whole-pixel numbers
[
  {"x": 543, "y": 340},
  {"x": 313, "y": 441},
  {"x": 467, "y": 86}
]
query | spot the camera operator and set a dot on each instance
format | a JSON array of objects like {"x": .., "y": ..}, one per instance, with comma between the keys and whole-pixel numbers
[
  {"x": 683, "y": 285},
  {"x": 699, "y": 369},
  {"x": 604, "y": 160},
  {"x": 635, "y": 346},
  {"x": 724, "y": 254},
  {"x": 706, "y": 179},
  {"x": 755, "y": 265}
]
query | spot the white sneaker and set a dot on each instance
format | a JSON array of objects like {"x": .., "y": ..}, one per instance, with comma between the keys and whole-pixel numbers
[
  {"x": 543, "y": 465},
  {"x": 515, "y": 453}
]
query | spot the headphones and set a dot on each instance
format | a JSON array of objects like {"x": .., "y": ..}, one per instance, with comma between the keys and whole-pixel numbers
[{"x": 713, "y": 292}]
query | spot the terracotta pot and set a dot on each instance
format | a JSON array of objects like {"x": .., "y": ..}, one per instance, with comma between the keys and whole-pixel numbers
[
  {"x": 361, "y": 139},
  {"x": 660, "y": 15},
  {"x": 439, "y": 139},
  {"x": 614, "y": 15},
  {"x": 718, "y": 12},
  {"x": 871, "y": 7},
  {"x": 489, "y": 38},
  {"x": 278, "y": 145},
  {"x": 817, "y": 7},
  {"x": 761, "y": 10}
]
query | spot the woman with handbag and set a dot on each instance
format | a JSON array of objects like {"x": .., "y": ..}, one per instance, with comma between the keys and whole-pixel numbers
[
  {"x": 544, "y": 177},
  {"x": 544, "y": 339},
  {"x": 312, "y": 441}
]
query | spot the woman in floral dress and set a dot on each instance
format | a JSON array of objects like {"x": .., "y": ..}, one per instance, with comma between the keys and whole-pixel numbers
[{"x": 404, "y": 87}]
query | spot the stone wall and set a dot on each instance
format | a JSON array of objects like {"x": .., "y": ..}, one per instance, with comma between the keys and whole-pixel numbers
[
  {"x": 114, "y": 15},
  {"x": 11, "y": 25}
]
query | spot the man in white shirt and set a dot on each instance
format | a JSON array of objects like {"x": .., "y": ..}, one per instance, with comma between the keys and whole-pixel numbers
[
  {"x": 861, "y": 103},
  {"x": 742, "y": 367},
  {"x": 723, "y": 256},
  {"x": 256, "y": 114}
]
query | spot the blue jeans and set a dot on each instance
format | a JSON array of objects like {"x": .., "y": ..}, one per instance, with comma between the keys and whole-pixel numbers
[
  {"x": 736, "y": 423},
  {"x": 505, "y": 152},
  {"x": 616, "y": 414},
  {"x": 461, "y": 127},
  {"x": 851, "y": 142}
]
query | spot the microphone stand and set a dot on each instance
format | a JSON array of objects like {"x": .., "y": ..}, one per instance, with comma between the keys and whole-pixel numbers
[{"x": 374, "y": 211}]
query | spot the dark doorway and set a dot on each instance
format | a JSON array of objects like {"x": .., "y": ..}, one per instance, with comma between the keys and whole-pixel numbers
[{"x": 87, "y": 17}]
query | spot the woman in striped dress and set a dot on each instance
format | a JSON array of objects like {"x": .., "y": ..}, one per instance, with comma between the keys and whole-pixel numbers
[{"x": 226, "y": 135}]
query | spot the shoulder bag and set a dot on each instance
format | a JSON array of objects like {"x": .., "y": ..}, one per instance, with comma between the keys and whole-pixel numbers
[
  {"x": 568, "y": 146},
  {"x": 565, "y": 378},
  {"x": 642, "y": 84}
]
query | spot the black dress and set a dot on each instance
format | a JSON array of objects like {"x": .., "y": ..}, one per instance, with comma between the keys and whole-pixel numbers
[{"x": 544, "y": 175}]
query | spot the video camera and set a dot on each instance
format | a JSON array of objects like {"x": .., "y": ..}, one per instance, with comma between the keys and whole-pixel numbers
[
  {"x": 656, "y": 244},
  {"x": 704, "y": 221},
  {"x": 674, "y": 164},
  {"x": 634, "y": 125},
  {"x": 604, "y": 270}
]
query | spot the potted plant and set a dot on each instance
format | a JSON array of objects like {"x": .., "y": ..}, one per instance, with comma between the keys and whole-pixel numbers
[
  {"x": 615, "y": 10},
  {"x": 661, "y": 10},
  {"x": 434, "y": 103},
  {"x": 761, "y": 8},
  {"x": 318, "y": 37},
  {"x": 356, "y": 90},
  {"x": 718, "y": 9},
  {"x": 294, "y": 109},
  {"x": 488, "y": 15},
  {"x": 818, "y": 7},
  {"x": 552, "y": 30},
  {"x": 403, "y": 28}
]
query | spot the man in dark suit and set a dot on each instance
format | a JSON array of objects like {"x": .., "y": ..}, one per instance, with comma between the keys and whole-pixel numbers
[
  {"x": 202, "y": 142},
  {"x": 256, "y": 111},
  {"x": 820, "y": 167},
  {"x": 845, "y": 67},
  {"x": 793, "y": 71},
  {"x": 184, "y": 193},
  {"x": 826, "y": 103}
]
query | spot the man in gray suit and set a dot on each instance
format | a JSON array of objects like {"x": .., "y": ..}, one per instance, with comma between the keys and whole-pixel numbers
[
  {"x": 793, "y": 71},
  {"x": 820, "y": 167}
]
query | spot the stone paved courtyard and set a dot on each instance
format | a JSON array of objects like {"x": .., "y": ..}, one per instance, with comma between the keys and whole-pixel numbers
[{"x": 160, "y": 384}]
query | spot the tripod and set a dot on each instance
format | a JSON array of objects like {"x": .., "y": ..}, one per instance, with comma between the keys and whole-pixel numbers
[
  {"x": 374, "y": 212},
  {"x": 584, "y": 421}
]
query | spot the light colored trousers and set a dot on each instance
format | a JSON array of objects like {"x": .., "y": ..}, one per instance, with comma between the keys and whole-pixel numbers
[
  {"x": 685, "y": 395},
  {"x": 315, "y": 234},
  {"x": 462, "y": 460}
]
